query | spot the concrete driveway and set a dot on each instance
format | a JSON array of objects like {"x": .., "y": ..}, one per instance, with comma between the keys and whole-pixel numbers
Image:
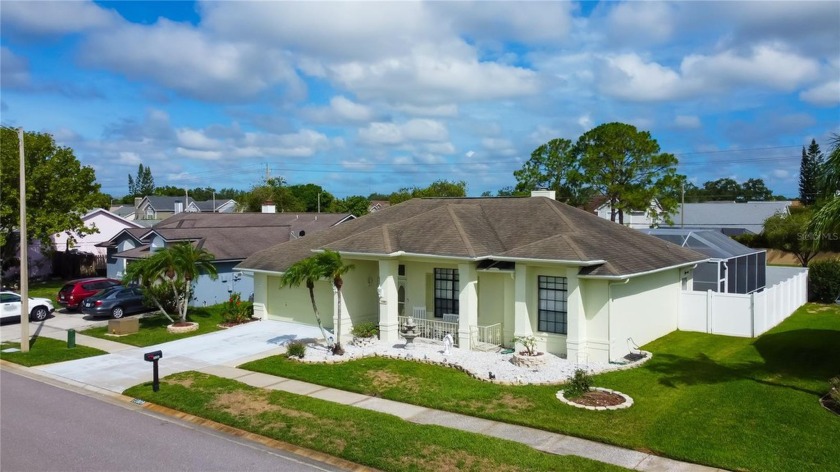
[
  {"x": 120, "y": 370},
  {"x": 57, "y": 321}
]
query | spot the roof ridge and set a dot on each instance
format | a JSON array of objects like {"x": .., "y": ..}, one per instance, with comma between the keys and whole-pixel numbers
[
  {"x": 572, "y": 244},
  {"x": 386, "y": 238},
  {"x": 562, "y": 216},
  {"x": 492, "y": 226},
  {"x": 460, "y": 229}
]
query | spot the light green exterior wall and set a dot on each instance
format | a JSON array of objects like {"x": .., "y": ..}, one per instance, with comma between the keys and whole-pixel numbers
[{"x": 293, "y": 303}]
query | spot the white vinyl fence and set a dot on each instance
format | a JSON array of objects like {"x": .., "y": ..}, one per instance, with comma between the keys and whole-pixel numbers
[{"x": 749, "y": 315}]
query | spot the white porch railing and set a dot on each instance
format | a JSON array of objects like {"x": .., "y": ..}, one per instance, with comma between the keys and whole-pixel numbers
[
  {"x": 433, "y": 329},
  {"x": 486, "y": 338}
]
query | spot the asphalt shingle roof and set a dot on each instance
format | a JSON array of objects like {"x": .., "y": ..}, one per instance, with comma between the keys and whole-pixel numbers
[{"x": 516, "y": 228}]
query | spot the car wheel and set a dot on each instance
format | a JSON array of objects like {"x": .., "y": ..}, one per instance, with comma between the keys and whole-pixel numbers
[
  {"x": 40, "y": 313},
  {"x": 117, "y": 312}
]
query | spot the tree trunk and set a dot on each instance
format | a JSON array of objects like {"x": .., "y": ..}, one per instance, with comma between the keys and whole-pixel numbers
[
  {"x": 621, "y": 217},
  {"x": 317, "y": 314}
]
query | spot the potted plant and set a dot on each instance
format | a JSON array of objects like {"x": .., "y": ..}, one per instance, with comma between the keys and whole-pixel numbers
[
  {"x": 529, "y": 357},
  {"x": 365, "y": 334}
]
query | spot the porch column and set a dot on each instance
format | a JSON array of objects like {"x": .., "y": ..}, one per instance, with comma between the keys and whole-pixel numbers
[
  {"x": 521, "y": 319},
  {"x": 575, "y": 319},
  {"x": 467, "y": 303},
  {"x": 388, "y": 302}
]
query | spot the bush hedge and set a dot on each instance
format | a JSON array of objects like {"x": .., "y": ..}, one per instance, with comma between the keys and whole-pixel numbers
[{"x": 824, "y": 280}]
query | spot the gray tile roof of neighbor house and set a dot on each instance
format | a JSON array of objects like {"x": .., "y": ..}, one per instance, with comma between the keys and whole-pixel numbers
[
  {"x": 235, "y": 236},
  {"x": 710, "y": 242},
  {"x": 535, "y": 228},
  {"x": 718, "y": 215}
]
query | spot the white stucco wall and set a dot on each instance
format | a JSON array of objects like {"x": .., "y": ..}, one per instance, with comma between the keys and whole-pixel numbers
[
  {"x": 293, "y": 303},
  {"x": 644, "y": 309},
  {"x": 361, "y": 301},
  {"x": 596, "y": 312}
]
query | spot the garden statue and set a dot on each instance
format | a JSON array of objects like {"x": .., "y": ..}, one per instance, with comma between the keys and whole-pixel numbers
[{"x": 447, "y": 343}]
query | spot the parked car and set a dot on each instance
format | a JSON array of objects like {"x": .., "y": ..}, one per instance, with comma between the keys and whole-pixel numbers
[
  {"x": 73, "y": 292},
  {"x": 39, "y": 308},
  {"x": 115, "y": 301}
]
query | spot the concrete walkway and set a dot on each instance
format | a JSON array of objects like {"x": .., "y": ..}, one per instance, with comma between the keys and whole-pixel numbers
[{"x": 219, "y": 353}]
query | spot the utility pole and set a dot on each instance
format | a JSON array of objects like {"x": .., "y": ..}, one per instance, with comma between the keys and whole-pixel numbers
[
  {"x": 24, "y": 254},
  {"x": 682, "y": 210},
  {"x": 319, "y": 202}
]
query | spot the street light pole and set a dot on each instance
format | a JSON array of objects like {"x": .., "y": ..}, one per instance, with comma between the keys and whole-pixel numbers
[{"x": 24, "y": 254}]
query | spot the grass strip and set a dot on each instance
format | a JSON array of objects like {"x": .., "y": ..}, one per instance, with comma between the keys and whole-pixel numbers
[
  {"x": 735, "y": 403},
  {"x": 46, "y": 351},
  {"x": 365, "y": 437},
  {"x": 153, "y": 328}
]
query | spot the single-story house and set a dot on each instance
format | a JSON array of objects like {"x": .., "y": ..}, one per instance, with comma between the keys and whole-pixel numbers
[
  {"x": 108, "y": 225},
  {"x": 731, "y": 268},
  {"x": 230, "y": 237},
  {"x": 730, "y": 218},
  {"x": 585, "y": 287}
]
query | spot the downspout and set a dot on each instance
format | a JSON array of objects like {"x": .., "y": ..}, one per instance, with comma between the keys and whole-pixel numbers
[{"x": 609, "y": 313}]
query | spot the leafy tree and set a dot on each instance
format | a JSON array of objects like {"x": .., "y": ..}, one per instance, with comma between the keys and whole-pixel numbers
[
  {"x": 809, "y": 168},
  {"x": 178, "y": 266},
  {"x": 309, "y": 196},
  {"x": 554, "y": 165},
  {"x": 306, "y": 271},
  {"x": 332, "y": 266},
  {"x": 169, "y": 191},
  {"x": 143, "y": 184},
  {"x": 625, "y": 165},
  {"x": 754, "y": 190},
  {"x": 59, "y": 190},
  {"x": 437, "y": 189},
  {"x": 790, "y": 233},
  {"x": 722, "y": 190},
  {"x": 511, "y": 192},
  {"x": 274, "y": 190},
  {"x": 378, "y": 196},
  {"x": 356, "y": 205}
]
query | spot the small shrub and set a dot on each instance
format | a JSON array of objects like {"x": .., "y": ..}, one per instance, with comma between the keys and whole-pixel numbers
[
  {"x": 834, "y": 390},
  {"x": 579, "y": 384},
  {"x": 296, "y": 349},
  {"x": 365, "y": 330},
  {"x": 237, "y": 311},
  {"x": 824, "y": 280},
  {"x": 163, "y": 294},
  {"x": 528, "y": 342}
]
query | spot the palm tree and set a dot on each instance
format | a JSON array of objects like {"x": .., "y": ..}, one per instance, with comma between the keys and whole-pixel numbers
[
  {"x": 142, "y": 273},
  {"x": 306, "y": 271},
  {"x": 187, "y": 262},
  {"x": 333, "y": 266},
  {"x": 827, "y": 219}
]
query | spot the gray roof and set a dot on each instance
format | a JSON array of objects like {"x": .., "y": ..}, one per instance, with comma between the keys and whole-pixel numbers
[
  {"x": 710, "y": 242},
  {"x": 168, "y": 203},
  {"x": 717, "y": 215},
  {"x": 494, "y": 228},
  {"x": 235, "y": 236}
]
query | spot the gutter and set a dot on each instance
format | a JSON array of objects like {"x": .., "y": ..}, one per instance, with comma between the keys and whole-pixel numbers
[{"x": 639, "y": 274}]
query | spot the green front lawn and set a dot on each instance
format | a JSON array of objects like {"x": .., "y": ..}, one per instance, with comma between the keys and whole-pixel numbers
[
  {"x": 736, "y": 403},
  {"x": 48, "y": 289},
  {"x": 46, "y": 351},
  {"x": 375, "y": 439},
  {"x": 153, "y": 328}
]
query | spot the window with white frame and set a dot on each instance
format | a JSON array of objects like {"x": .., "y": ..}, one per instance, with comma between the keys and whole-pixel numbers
[
  {"x": 552, "y": 314},
  {"x": 446, "y": 292}
]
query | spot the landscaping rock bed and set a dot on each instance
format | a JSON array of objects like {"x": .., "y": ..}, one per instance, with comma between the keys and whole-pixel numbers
[{"x": 598, "y": 399}]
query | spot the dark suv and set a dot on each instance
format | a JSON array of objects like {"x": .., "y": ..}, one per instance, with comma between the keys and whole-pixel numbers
[{"x": 73, "y": 292}]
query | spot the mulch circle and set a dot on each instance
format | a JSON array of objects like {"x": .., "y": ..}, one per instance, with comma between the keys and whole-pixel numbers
[
  {"x": 598, "y": 398},
  {"x": 830, "y": 405},
  {"x": 230, "y": 324}
]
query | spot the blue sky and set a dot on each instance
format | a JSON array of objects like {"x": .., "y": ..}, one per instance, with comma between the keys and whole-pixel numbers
[{"x": 372, "y": 97}]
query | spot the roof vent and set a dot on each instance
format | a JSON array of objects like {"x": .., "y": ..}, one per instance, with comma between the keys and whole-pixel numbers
[
  {"x": 302, "y": 233},
  {"x": 542, "y": 192}
]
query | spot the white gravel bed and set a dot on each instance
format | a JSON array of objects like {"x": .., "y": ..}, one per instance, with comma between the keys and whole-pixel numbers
[{"x": 479, "y": 365}]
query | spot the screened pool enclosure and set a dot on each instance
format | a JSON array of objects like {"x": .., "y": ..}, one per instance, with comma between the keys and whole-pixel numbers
[{"x": 734, "y": 268}]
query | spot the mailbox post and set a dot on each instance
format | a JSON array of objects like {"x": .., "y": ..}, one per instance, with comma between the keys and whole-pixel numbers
[{"x": 153, "y": 357}]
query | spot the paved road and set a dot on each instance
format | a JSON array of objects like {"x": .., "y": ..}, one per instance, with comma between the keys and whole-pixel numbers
[{"x": 46, "y": 428}]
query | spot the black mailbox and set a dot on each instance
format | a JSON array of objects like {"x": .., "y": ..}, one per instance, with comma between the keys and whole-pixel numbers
[{"x": 152, "y": 356}]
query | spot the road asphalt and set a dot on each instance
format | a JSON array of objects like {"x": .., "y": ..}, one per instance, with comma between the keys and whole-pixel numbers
[{"x": 220, "y": 353}]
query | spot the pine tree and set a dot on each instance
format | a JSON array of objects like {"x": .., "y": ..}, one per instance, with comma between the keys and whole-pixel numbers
[
  {"x": 143, "y": 184},
  {"x": 809, "y": 173}
]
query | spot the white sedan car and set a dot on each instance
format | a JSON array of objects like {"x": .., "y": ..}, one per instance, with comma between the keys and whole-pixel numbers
[{"x": 39, "y": 308}]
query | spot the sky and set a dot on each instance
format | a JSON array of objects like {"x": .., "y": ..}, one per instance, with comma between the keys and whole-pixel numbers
[{"x": 364, "y": 97}]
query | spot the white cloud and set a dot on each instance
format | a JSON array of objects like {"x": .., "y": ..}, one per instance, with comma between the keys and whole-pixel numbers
[
  {"x": 630, "y": 77},
  {"x": 641, "y": 22},
  {"x": 340, "y": 110},
  {"x": 129, "y": 158},
  {"x": 412, "y": 130},
  {"x": 781, "y": 173},
  {"x": 444, "y": 111},
  {"x": 55, "y": 17},
  {"x": 826, "y": 94},
  {"x": 194, "y": 139},
  {"x": 687, "y": 121},
  {"x": 185, "y": 59},
  {"x": 14, "y": 70}
]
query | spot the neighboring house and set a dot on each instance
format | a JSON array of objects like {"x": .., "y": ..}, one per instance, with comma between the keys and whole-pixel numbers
[
  {"x": 230, "y": 237},
  {"x": 107, "y": 225},
  {"x": 160, "y": 208},
  {"x": 733, "y": 267},
  {"x": 586, "y": 287},
  {"x": 730, "y": 218},
  {"x": 636, "y": 219},
  {"x": 376, "y": 205},
  {"x": 124, "y": 211}
]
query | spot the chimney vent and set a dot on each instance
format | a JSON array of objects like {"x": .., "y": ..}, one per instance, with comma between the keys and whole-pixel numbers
[{"x": 544, "y": 193}]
